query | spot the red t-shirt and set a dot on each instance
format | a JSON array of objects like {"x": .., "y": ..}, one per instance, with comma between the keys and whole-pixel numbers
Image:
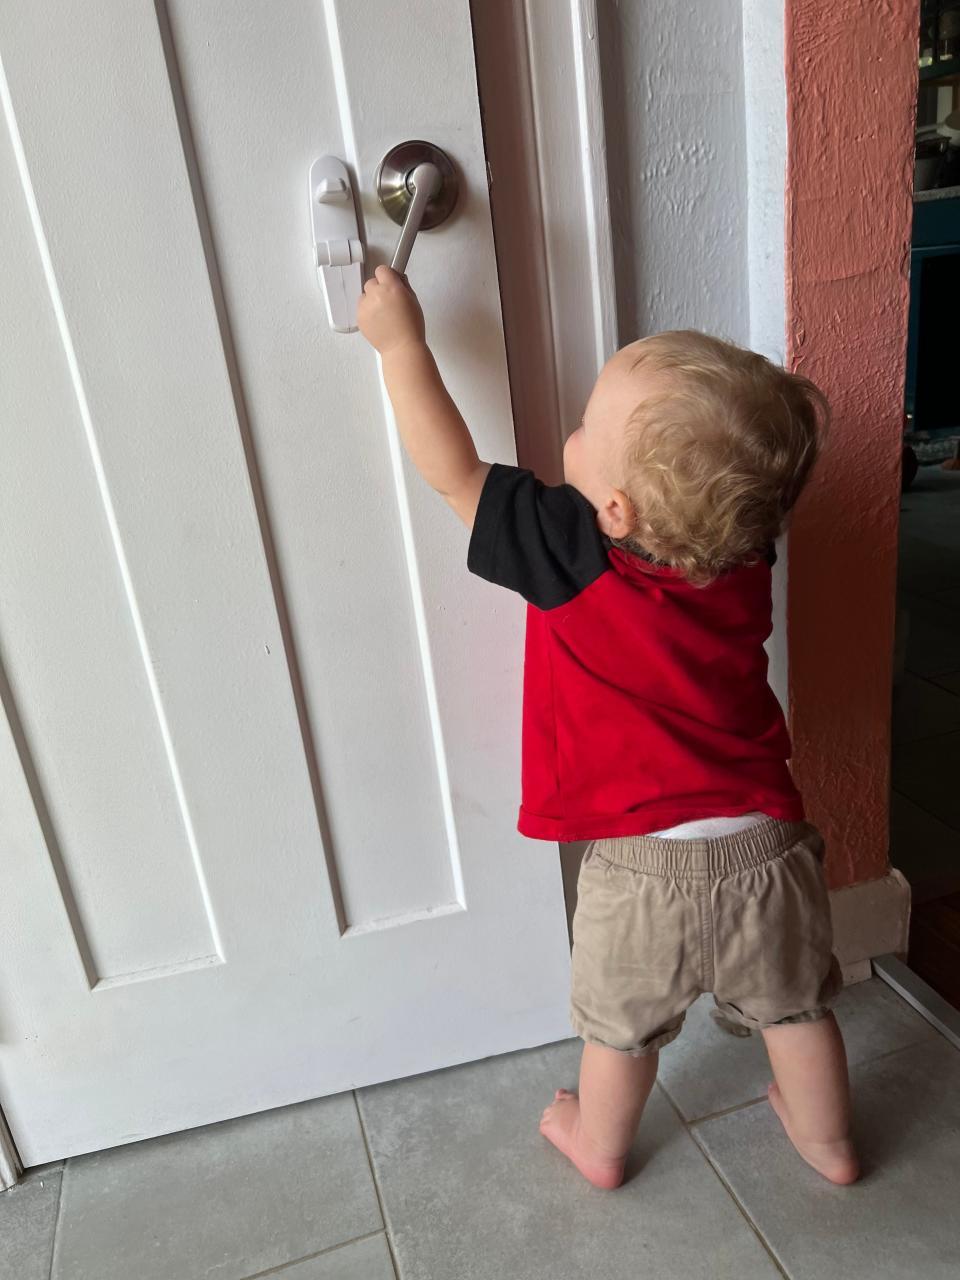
[{"x": 645, "y": 699}]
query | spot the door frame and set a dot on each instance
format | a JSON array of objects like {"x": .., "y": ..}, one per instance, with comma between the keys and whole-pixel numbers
[
  {"x": 543, "y": 144},
  {"x": 546, "y": 150},
  {"x": 10, "y": 1166}
]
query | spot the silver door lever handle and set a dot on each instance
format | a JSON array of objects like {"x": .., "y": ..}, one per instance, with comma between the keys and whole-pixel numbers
[
  {"x": 417, "y": 185},
  {"x": 425, "y": 181}
]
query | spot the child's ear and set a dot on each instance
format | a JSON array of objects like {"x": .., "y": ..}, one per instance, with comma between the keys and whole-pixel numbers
[{"x": 617, "y": 518}]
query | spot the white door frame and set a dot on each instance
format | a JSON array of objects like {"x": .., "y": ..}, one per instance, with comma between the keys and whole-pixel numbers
[
  {"x": 10, "y": 1166},
  {"x": 545, "y": 147},
  {"x": 553, "y": 252}
]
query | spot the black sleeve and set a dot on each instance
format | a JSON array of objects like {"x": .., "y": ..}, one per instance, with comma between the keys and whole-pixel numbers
[{"x": 537, "y": 539}]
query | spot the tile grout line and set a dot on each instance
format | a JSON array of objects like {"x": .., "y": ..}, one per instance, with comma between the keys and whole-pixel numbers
[
  {"x": 376, "y": 1187},
  {"x": 903, "y": 1048},
  {"x": 56, "y": 1220},
  {"x": 308, "y": 1257},
  {"x": 932, "y": 680},
  {"x": 764, "y": 1243},
  {"x": 930, "y": 737},
  {"x": 691, "y": 1125},
  {"x": 724, "y": 1111},
  {"x": 761, "y": 1239},
  {"x": 752, "y": 1102},
  {"x": 917, "y": 805}
]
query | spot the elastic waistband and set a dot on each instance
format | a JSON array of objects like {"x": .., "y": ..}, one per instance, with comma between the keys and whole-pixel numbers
[{"x": 717, "y": 857}]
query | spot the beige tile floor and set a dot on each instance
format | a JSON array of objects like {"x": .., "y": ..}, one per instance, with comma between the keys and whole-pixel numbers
[{"x": 445, "y": 1177}]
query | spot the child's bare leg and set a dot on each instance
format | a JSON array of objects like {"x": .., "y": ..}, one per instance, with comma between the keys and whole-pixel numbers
[
  {"x": 596, "y": 1129},
  {"x": 812, "y": 1094}
]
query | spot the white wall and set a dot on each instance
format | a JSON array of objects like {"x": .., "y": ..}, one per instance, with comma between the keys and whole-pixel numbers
[
  {"x": 676, "y": 156},
  {"x": 765, "y": 131},
  {"x": 695, "y": 110}
]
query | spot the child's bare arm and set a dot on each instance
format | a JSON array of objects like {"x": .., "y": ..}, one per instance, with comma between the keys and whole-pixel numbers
[{"x": 431, "y": 428}]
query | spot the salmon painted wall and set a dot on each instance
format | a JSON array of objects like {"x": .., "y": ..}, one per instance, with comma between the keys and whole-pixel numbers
[{"x": 851, "y": 88}]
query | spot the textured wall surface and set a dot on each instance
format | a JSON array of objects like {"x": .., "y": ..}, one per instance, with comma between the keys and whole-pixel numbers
[
  {"x": 676, "y": 159},
  {"x": 848, "y": 230},
  {"x": 696, "y": 144}
]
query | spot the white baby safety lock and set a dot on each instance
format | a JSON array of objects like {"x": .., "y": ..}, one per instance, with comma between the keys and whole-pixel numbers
[
  {"x": 417, "y": 185},
  {"x": 336, "y": 241}
]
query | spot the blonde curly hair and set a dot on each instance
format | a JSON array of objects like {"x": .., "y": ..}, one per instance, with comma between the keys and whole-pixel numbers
[{"x": 715, "y": 459}]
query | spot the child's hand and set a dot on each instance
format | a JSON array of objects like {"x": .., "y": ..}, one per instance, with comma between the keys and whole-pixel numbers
[{"x": 388, "y": 313}]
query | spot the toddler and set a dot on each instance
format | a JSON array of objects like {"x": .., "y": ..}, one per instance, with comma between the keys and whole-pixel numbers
[{"x": 649, "y": 728}]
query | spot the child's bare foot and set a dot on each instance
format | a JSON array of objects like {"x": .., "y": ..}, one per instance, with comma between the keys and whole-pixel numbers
[
  {"x": 560, "y": 1123},
  {"x": 836, "y": 1161}
]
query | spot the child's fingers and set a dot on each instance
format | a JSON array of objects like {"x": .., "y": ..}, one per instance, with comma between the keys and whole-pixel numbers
[{"x": 387, "y": 274}]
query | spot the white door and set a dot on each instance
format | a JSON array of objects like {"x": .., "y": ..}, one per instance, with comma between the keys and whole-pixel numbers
[{"x": 259, "y": 753}]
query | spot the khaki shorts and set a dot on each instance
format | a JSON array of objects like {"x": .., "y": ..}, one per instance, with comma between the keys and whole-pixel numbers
[{"x": 658, "y": 922}]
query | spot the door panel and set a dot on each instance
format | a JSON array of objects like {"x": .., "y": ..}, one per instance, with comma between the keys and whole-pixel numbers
[
  {"x": 259, "y": 757},
  {"x": 317, "y": 413}
]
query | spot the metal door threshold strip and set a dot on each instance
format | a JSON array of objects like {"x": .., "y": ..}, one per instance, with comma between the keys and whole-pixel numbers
[{"x": 920, "y": 995}]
